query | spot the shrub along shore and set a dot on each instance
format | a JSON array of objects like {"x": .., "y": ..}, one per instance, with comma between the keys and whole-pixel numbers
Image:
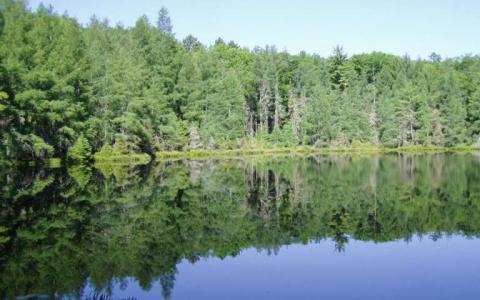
[
  {"x": 193, "y": 154},
  {"x": 118, "y": 158},
  {"x": 108, "y": 156}
]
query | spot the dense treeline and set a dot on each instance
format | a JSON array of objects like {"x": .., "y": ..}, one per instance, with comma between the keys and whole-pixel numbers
[
  {"x": 64, "y": 86},
  {"x": 60, "y": 231}
]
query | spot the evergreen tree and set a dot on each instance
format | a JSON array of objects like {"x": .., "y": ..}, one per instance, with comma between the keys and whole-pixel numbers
[
  {"x": 223, "y": 121},
  {"x": 80, "y": 151},
  {"x": 164, "y": 23}
]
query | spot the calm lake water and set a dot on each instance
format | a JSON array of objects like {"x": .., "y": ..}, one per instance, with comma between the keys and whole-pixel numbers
[{"x": 325, "y": 227}]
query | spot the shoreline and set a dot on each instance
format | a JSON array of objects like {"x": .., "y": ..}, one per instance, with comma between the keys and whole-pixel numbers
[
  {"x": 160, "y": 156},
  {"x": 228, "y": 153}
]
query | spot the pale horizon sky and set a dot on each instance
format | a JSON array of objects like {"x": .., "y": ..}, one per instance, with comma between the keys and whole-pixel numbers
[{"x": 417, "y": 28}]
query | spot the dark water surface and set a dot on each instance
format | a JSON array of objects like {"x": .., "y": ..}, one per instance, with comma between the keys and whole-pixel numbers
[{"x": 325, "y": 227}]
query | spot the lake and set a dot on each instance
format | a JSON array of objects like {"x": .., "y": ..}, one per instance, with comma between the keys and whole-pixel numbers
[{"x": 340, "y": 226}]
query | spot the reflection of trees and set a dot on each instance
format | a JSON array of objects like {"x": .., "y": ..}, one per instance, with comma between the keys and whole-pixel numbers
[
  {"x": 338, "y": 224},
  {"x": 60, "y": 227},
  {"x": 167, "y": 282}
]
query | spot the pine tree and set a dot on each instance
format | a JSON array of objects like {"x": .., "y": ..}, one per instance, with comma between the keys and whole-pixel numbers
[
  {"x": 164, "y": 23},
  {"x": 80, "y": 151},
  {"x": 224, "y": 121}
]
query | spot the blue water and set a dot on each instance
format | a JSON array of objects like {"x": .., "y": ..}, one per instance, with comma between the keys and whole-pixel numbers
[
  {"x": 422, "y": 268},
  {"x": 394, "y": 226}
]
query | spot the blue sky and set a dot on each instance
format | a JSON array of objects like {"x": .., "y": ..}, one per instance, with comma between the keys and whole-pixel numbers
[{"x": 448, "y": 27}]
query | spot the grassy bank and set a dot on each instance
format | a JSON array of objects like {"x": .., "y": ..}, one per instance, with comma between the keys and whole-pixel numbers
[
  {"x": 123, "y": 159},
  {"x": 409, "y": 149},
  {"x": 109, "y": 157},
  {"x": 196, "y": 154}
]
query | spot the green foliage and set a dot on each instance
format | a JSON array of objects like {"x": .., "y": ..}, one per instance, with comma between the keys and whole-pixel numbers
[
  {"x": 34, "y": 145},
  {"x": 80, "y": 151},
  {"x": 141, "y": 90},
  {"x": 81, "y": 174},
  {"x": 224, "y": 105},
  {"x": 2, "y": 22},
  {"x": 120, "y": 154},
  {"x": 140, "y": 222}
]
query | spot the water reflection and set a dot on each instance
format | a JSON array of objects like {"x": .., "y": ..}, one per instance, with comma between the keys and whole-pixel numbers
[{"x": 85, "y": 232}]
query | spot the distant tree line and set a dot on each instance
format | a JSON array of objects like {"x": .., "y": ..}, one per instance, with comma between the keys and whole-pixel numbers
[{"x": 140, "y": 89}]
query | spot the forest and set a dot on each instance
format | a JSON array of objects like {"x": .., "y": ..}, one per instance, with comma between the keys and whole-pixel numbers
[{"x": 71, "y": 90}]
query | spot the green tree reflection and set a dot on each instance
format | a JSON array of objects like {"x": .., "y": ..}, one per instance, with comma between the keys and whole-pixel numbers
[{"x": 64, "y": 229}]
